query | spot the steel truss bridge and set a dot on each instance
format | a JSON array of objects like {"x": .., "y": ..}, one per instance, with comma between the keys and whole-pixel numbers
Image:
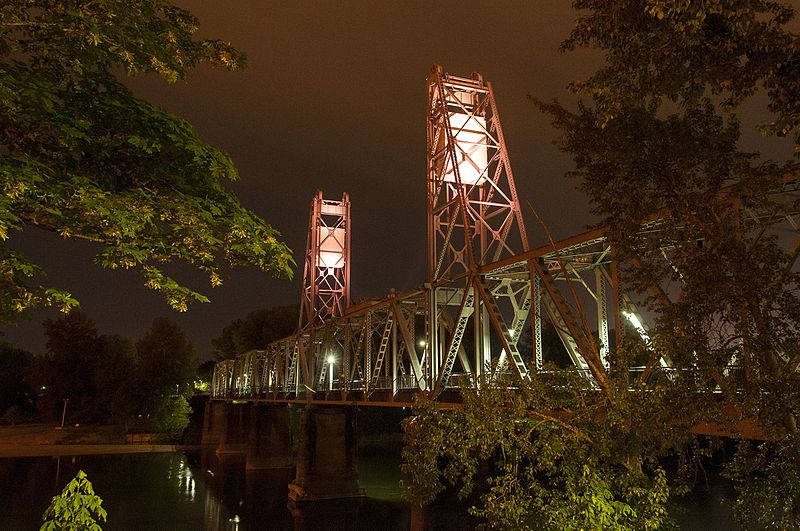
[{"x": 486, "y": 288}]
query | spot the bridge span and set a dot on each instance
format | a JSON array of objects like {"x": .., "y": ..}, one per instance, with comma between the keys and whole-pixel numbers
[{"x": 479, "y": 313}]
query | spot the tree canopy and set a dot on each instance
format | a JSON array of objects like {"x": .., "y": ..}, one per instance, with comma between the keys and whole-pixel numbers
[
  {"x": 659, "y": 142},
  {"x": 656, "y": 140},
  {"x": 108, "y": 378},
  {"x": 81, "y": 156}
]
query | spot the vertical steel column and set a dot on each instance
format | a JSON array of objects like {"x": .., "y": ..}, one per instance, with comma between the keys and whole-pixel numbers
[
  {"x": 537, "y": 321},
  {"x": 602, "y": 315},
  {"x": 395, "y": 353}
]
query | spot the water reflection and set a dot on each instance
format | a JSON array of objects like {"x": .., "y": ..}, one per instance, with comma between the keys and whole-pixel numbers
[{"x": 210, "y": 492}]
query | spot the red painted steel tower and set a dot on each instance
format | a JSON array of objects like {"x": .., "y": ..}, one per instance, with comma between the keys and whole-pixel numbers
[
  {"x": 474, "y": 218},
  {"x": 326, "y": 276}
]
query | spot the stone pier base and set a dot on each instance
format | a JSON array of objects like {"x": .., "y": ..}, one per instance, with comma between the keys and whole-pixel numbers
[
  {"x": 326, "y": 455},
  {"x": 269, "y": 444}
]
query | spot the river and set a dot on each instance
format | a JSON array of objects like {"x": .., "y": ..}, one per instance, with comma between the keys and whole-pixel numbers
[{"x": 197, "y": 491}]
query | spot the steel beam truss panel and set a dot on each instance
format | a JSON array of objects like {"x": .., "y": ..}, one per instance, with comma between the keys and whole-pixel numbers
[
  {"x": 326, "y": 275},
  {"x": 547, "y": 276},
  {"x": 382, "y": 348},
  {"x": 465, "y": 311}
]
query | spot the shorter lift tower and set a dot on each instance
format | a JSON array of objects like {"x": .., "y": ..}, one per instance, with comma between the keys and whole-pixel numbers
[
  {"x": 474, "y": 219},
  {"x": 326, "y": 277},
  {"x": 326, "y": 289}
]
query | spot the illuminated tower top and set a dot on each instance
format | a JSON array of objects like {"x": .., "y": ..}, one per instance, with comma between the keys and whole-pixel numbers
[
  {"x": 474, "y": 215},
  {"x": 326, "y": 276}
]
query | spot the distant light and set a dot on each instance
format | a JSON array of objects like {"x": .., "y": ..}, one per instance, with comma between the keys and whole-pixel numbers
[
  {"x": 422, "y": 343},
  {"x": 331, "y": 359},
  {"x": 633, "y": 319}
]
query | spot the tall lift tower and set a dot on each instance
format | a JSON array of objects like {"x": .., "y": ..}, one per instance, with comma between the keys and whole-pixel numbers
[{"x": 474, "y": 218}]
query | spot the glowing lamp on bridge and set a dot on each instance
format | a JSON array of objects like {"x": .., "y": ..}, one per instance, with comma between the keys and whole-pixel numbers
[
  {"x": 469, "y": 136},
  {"x": 331, "y": 248}
]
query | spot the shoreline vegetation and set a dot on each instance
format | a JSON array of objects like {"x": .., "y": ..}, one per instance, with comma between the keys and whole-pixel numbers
[{"x": 42, "y": 440}]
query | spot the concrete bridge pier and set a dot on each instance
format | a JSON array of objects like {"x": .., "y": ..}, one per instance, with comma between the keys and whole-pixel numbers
[
  {"x": 213, "y": 422},
  {"x": 269, "y": 443},
  {"x": 234, "y": 433},
  {"x": 326, "y": 455}
]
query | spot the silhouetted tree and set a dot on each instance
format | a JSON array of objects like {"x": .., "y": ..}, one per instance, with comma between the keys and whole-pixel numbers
[
  {"x": 16, "y": 390},
  {"x": 167, "y": 362},
  {"x": 256, "y": 330},
  {"x": 73, "y": 349},
  {"x": 115, "y": 366}
]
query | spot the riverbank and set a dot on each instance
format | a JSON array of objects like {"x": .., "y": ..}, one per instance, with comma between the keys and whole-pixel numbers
[{"x": 38, "y": 440}]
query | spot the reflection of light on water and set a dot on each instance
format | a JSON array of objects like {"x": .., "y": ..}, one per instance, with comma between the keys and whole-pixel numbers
[{"x": 186, "y": 482}]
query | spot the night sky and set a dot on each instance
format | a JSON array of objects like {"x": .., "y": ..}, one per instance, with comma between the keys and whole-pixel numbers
[{"x": 333, "y": 98}]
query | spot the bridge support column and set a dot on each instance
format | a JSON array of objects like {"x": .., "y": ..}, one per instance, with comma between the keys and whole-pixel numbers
[
  {"x": 269, "y": 442},
  {"x": 213, "y": 422},
  {"x": 233, "y": 439},
  {"x": 326, "y": 455}
]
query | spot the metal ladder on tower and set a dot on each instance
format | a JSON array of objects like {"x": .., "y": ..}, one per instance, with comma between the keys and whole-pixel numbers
[
  {"x": 466, "y": 310},
  {"x": 385, "y": 337},
  {"x": 496, "y": 317},
  {"x": 293, "y": 367}
]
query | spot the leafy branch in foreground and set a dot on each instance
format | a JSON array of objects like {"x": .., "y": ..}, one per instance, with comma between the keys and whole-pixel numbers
[
  {"x": 77, "y": 508},
  {"x": 544, "y": 455},
  {"x": 82, "y": 157}
]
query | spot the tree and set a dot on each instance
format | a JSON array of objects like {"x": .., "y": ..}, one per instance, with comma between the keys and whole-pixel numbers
[
  {"x": 171, "y": 416},
  {"x": 115, "y": 367},
  {"x": 68, "y": 367},
  {"x": 543, "y": 469},
  {"x": 82, "y": 157},
  {"x": 92, "y": 371},
  {"x": 256, "y": 330},
  {"x": 16, "y": 370},
  {"x": 77, "y": 508},
  {"x": 167, "y": 363},
  {"x": 660, "y": 139}
]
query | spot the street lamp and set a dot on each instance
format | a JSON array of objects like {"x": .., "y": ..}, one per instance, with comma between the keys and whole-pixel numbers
[
  {"x": 63, "y": 414},
  {"x": 330, "y": 361}
]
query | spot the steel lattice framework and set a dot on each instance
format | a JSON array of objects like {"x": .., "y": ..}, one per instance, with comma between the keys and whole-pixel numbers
[
  {"x": 474, "y": 218},
  {"x": 480, "y": 313},
  {"x": 326, "y": 276},
  {"x": 473, "y": 211}
]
